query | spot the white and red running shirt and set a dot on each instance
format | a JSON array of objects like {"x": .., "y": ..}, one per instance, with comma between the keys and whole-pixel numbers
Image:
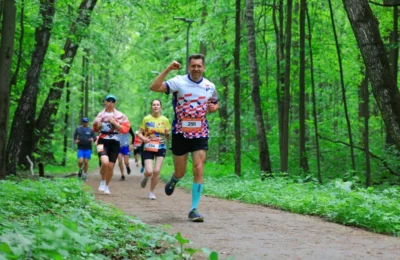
[{"x": 190, "y": 101}]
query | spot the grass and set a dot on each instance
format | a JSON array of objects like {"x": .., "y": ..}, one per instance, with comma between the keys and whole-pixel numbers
[
  {"x": 60, "y": 219},
  {"x": 345, "y": 202}
]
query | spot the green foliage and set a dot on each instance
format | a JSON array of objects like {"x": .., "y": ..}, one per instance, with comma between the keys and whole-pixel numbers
[
  {"x": 344, "y": 202},
  {"x": 60, "y": 219}
]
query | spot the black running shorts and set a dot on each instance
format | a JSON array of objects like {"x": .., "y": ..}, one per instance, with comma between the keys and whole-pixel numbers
[
  {"x": 138, "y": 150},
  {"x": 182, "y": 145},
  {"x": 108, "y": 147},
  {"x": 151, "y": 155}
]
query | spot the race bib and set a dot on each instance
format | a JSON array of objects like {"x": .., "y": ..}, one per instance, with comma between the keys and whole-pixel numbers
[
  {"x": 191, "y": 124},
  {"x": 100, "y": 148},
  {"x": 152, "y": 146}
]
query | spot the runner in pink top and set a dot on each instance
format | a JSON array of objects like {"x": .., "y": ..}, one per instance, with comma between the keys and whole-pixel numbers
[
  {"x": 193, "y": 97},
  {"x": 110, "y": 123}
]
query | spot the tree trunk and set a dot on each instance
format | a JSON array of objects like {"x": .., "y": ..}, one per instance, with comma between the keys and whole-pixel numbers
[
  {"x": 223, "y": 109},
  {"x": 302, "y": 85},
  {"x": 280, "y": 75},
  {"x": 346, "y": 113},
  {"x": 13, "y": 81},
  {"x": 66, "y": 120},
  {"x": 86, "y": 90},
  {"x": 286, "y": 100},
  {"x": 236, "y": 55},
  {"x": 393, "y": 58},
  {"x": 384, "y": 87},
  {"x": 265, "y": 161},
  {"x": 6, "y": 55},
  {"x": 45, "y": 122},
  {"x": 203, "y": 46},
  {"x": 27, "y": 103},
  {"x": 314, "y": 102},
  {"x": 365, "y": 114}
]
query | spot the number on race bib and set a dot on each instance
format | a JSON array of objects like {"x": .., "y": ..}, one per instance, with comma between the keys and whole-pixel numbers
[
  {"x": 151, "y": 146},
  {"x": 191, "y": 124}
]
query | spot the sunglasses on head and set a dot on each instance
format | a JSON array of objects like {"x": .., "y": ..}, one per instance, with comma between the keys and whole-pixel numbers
[{"x": 111, "y": 100}]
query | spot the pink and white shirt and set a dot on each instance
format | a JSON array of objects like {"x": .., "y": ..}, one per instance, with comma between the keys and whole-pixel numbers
[{"x": 190, "y": 102}]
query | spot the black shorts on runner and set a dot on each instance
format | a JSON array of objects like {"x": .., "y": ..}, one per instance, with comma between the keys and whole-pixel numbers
[
  {"x": 109, "y": 148},
  {"x": 146, "y": 155},
  {"x": 138, "y": 150},
  {"x": 182, "y": 145}
]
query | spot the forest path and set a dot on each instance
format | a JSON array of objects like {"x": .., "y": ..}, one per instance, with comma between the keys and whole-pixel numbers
[{"x": 244, "y": 231}]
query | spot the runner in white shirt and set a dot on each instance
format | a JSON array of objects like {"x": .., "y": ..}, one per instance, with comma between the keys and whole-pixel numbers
[{"x": 193, "y": 97}]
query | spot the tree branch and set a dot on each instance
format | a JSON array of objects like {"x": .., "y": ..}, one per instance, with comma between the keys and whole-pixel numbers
[{"x": 362, "y": 149}]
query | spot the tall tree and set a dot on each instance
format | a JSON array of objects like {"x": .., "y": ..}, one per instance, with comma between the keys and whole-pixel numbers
[
  {"x": 364, "y": 113},
  {"x": 25, "y": 112},
  {"x": 6, "y": 55},
  {"x": 20, "y": 46},
  {"x": 302, "y": 86},
  {"x": 314, "y": 102},
  {"x": 384, "y": 87},
  {"x": 203, "y": 46},
  {"x": 264, "y": 158},
  {"x": 286, "y": 99},
  {"x": 346, "y": 113},
  {"x": 45, "y": 123},
  {"x": 223, "y": 109},
  {"x": 280, "y": 73},
  {"x": 66, "y": 120},
  {"x": 236, "y": 57},
  {"x": 393, "y": 56}
]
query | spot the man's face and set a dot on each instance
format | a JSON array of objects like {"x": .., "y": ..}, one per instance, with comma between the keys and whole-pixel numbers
[
  {"x": 196, "y": 68},
  {"x": 85, "y": 124}
]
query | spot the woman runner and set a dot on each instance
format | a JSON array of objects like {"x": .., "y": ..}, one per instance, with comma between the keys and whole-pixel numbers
[{"x": 156, "y": 130}]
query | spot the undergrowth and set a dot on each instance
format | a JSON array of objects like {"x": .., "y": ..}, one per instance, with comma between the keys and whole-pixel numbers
[
  {"x": 60, "y": 219},
  {"x": 345, "y": 202}
]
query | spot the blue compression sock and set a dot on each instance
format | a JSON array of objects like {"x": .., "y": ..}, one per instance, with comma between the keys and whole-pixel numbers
[{"x": 196, "y": 193}]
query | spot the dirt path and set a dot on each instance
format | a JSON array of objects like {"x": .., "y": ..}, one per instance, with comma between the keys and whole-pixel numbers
[{"x": 244, "y": 231}]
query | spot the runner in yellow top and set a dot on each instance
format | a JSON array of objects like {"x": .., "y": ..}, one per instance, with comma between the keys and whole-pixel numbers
[{"x": 156, "y": 129}]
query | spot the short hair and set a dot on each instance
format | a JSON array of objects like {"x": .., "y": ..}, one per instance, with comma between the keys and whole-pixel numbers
[{"x": 197, "y": 57}]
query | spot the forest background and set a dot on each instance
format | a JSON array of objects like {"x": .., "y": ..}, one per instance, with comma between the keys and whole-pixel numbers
[
  {"x": 292, "y": 60},
  {"x": 307, "y": 89}
]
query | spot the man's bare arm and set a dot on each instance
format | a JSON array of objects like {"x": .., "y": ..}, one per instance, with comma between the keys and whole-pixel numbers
[{"x": 158, "y": 84}]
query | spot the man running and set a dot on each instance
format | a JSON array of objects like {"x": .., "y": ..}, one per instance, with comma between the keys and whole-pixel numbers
[
  {"x": 193, "y": 97},
  {"x": 84, "y": 136}
]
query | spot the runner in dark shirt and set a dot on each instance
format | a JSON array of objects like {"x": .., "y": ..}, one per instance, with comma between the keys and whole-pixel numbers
[{"x": 84, "y": 136}]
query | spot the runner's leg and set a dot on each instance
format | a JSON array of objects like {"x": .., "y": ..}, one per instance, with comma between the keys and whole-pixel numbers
[{"x": 156, "y": 173}]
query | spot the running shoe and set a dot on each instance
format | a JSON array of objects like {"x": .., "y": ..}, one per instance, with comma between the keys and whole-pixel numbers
[
  {"x": 84, "y": 176},
  {"x": 195, "y": 216},
  {"x": 143, "y": 181},
  {"x": 170, "y": 187},
  {"x": 80, "y": 172},
  {"x": 128, "y": 170},
  {"x": 102, "y": 186},
  {"x": 152, "y": 196},
  {"x": 107, "y": 190},
  {"x": 122, "y": 178}
]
